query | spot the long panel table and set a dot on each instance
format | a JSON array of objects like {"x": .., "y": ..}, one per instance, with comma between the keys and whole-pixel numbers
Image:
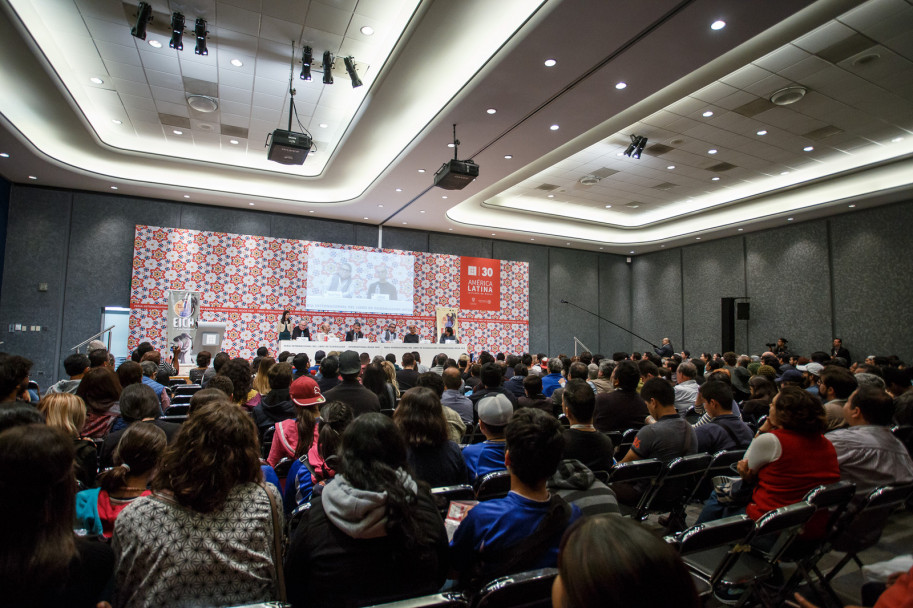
[{"x": 427, "y": 351}]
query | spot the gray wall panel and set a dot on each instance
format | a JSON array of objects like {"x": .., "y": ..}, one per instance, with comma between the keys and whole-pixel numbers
[
  {"x": 872, "y": 268},
  {"x": 36, "y": 252},
  {"x": 408, "y": 240},
  {"x": 365, "y": 236},
  {"x": 711, "y": 271},
  {"x": 657, "y": 299},
  {"x": 789, "y": 287},
  {"x": 537, "y": 258},
  {"x": 224, "y": 219},
  {"x": 614, "y": 304},
  {"x": 451, "y": 244},
  {"x": 573, "y": 276}
]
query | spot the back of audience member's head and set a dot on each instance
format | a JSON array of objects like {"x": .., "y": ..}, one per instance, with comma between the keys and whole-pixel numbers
[
  {"x": 238, "y": 370},
  {"x": 819, "y": 356},
  {"x": 712, "y": 390},
  {"x": 865, "y": 368},
  {"x": 798, "y": 410},
  {"x": 210, "y": 394},
  {"x": 491, "y": 375},
  {"x": 475, "y": 370},
  {"x": 216, "y": 450},
  {"x": 374, "y": 378},
  {"x": 420, "y": 417},
  {"x": 606, "y": 560},
  {"x": 606, "y": 367},
  {"x": 762, "y": 388},
  {"x": 720, "y": 375},
  {"x": 619, "y": 356},
  {"x": 391, "y": 357},
  {"x": 329, "y": 367},
  {"x": 220, "y": 383},
  {"x": 98, "y": 357},
  {"x": 895, "y": 379},
  {"x": 687, "y": 370},
  {"x": 408, "y": 359},
  {"x": 138, "y": 402},
  {"x": 627, "y": 375},
  {"x": 875, "y": 404},
  {"x": 453, "y": 380},
  {"x": 578, "y": 371},
  {"x": 521, "y": 370},
  {"x": 280, "y": 376},
  {"x": 730, "y": 358},
  {"x": 580, "y": 401},
  {"x": 203, "y": 358},
  {"x": 431, "y": 380},
  {"x": 64, "y": 411},
  {"x": 659, "y": 389},
  {"x": 647, "y": 368},
  {"x": 140, "y": 448},
  {"x": 18, "y": 413},
  {"x": 534, "y": 445},
  {"x": 141, "y": 349},
  {"x": 75, "y": 364},
  {"x": 14, "y": 373},
  {"x": 149, "y": 369},
  {"x": 153, "y": 355},
  {"x": 37, "y": 499},
  {"x": 840, "y": 379},
  {"x": 532, "y": 385},
  {"x": 903, "y": 409},
  {"x": 555, "y": 366},
  {"x": 592, "y": 371},
  {"x": 99, "y": 388},
  {"x": 866, "y": 379},
  {"x": 262, "y": 352},
  {"x": 768, "y": 372}
]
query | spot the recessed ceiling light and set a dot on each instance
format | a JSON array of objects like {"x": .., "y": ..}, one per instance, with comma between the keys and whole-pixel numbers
[
  {"x": 421, "y": 170},
  {"x": 114, "y": 187},
  {"x": 177, "y": 132},
  {"x": 445, "y": 196},
  {"x": 450, "y": 145},
  {"x": 366, "y": 217},
  {"x": 32, "y": 177},
  {"x": 237, "y": 63},
  {"x": 715, "y": 179},
  {"x": 697, "y": 238},
  {"x": 532, "y": 239},
  {"x": 632, "y": 251},
  {"x": 493, "y": 234},
  {"x": 551, "y": 196},
  {"x": 784, "y": 173},
  {"x": 662, "y": 245},
  {"x": 851, "y": 206},
  {"x": 712, "y": 151},
  {"x": 186, "y": 196},
  {"x": 450, "y": 229},
  {"x": 718, "y": 25},
  {"x": 554, "y": 127},
  {"x": 608, "y": 206},
  {"x": 621, "y": 85},
  {"x": 233, "y": 142},
  {"x": 550, "y": 62},
  {"x": 789, "y": 219},
  {"x": 601, "y": 248},
  {"x": 310, "y": 211},
  {"x": 117, "y": 122},
  {"x": 367, "y": 30},
  {"x": 399, "y": 189},
  {"x": 508, "y": 156},
  {"x": 808, "y": 148},
  {"x": 96, "y": 80},
  {"x": 421, "y": 211},
  {"x": 155, "y": 43},
  {"x": 251, "y": 204},
  {"x": 323, "y": 125},
  {"x": 4, "y": 155},
  {"x": 707, "y": 114},
  {"x": 380, "y": 206},
  {"x": 404, "y": 223},
  {"x": 491, "y": 111},
  {"x": 896, "y": 140},
  {"x": 741, "y": 229},
  {"x": 670, "y": 167},
  {"x": 762, "y": 132}
]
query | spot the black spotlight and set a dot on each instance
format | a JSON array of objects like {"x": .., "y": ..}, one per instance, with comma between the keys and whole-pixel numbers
[
  {"x": 200, "y": 31},
  {"x": 307, "y": 57},
  {"x": 641, "y": 144},
  {"x": 350, "y": 68},
  {"x": 327, "y": 67},
  {"x": 177, "y": 31},
  {"x": 143, "y": 16}
]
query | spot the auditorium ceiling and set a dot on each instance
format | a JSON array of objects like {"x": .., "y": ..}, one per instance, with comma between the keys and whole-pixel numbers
[{"x": 791, "y": 110}]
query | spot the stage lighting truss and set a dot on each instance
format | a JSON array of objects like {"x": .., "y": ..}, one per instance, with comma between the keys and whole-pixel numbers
[{"x": 177, "y": 31}]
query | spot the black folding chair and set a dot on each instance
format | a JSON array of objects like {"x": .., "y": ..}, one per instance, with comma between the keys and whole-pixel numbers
[
  {"x": 628, "y": 477},
  {"x": 905, "y": 434},
  {"x": 181, "y": 399},
  {"x": 267, "y": 441},
  {"x": 186, "y": 389},
  {"x": 615, "y": 436},
  {"x": 438, "y": 600},
  {"x": 722, "y": 536},
  {"x": 178, "y": 410},
  {"x": 720, "y": 465},
  {"x": 444, "y": 494},
  {"x": 672, "y": 487},
  {"x": 493, "y": 485},
  {"x": 622, "y": 446},
  {"x": 175, "y": 419},
  {"x": 388, "y": 412},
  {"x": 532, "y": 589}
]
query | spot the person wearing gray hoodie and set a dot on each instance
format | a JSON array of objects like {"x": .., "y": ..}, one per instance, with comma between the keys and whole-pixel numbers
[
  {"x": 75, "y": 366},
  {"x": 374, "y": 535}
]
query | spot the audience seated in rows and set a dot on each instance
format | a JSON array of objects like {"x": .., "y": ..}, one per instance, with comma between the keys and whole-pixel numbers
[
  {"x": 432, "y": 456},
  {"x": 622, "y": 408},
  {"x": 488, "y": 456}
]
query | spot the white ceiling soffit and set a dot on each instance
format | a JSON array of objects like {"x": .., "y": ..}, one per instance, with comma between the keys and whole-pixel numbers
[
  {"x": 445, "y": 44},
  {"x": 719, "y": 164}
]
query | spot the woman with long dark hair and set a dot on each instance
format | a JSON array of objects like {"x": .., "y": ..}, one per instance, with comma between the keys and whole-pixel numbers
[
  {"x": 205, "y": 536},
  {"x": 100, "y": 390},
  {"x": 374, "y": 535},
  {"x": 757, "y": 405},
  {"x": 375, "y": 380},
  {"x": 284, "y": 327},
  {"x": 433, "y": 457},
  {"x": 297, "y": 437},
  {"x": 196, "y": 374},
  {"x": 238, "y": 371},
  {"x": 335, "y": 417}
]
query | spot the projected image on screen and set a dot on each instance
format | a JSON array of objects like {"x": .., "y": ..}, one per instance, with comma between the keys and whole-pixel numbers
[{"x": 342, "y": 280}]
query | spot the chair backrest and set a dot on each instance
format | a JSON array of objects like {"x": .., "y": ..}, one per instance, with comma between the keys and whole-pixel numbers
[
  {"x": 388, "y": 412},
  {"x": 443, "y": 495},
  {"x": 532, "y": 589},
  {"x": 186, "y": 389},
  {"x": 674, "y": 483},
  {"x": 716, "y": 533},
  {"x": 719, "y": 465},
  {"x": 904, "y": 433},
  {"x": 862, "y": 529},
  {"x": 615, "y": 436},
  {"x": 175, "y": 419},
  {"x": 283, "y": 466},
  {"x": 181, "y": 399},
  {"x": 636, "y": 470},
  {"x": 180, "y": 409},
  {"x": 784, "y": 519},
  {"x": 493, "y": 485},
  {"x": 622, "y": 446},
  {"x": 835, "y": 496},
  {"x": 438, "y": 600}
]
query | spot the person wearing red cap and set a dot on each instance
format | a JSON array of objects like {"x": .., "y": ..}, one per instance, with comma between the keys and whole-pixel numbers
[{"x": 305, "y": 394}]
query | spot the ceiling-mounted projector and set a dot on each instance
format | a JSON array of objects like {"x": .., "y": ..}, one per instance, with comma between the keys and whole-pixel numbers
[
  {"x": 288, "y": 147},
  {"x": 456, "y": 174}
]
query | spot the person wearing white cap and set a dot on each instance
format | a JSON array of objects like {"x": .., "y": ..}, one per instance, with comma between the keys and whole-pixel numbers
[{"x": 495, "y": 411}]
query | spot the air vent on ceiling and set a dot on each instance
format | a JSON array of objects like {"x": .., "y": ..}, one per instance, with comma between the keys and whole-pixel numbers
[
  {"x": 231, "y": 131},
  {"x": 846, "y": 48},
  {"x": 588, "y": 180},
  {"x": 547, "y": 187},
  {"x": 665, "y": 186},
  {"x": 194, "y": 86},
  {"x": 721, "y": 167},
  {"x": 788, "y": 95},
  {"x": 175, "y": 121},
  {"x": 633, "y": 205},
  {"x": 753, "y": 108},
  {"x": 819, "y": 134},
  {"x": 203, "y": 103},
  {"x": 659, "y": 149},
  {"x": 603, "y": 173}
]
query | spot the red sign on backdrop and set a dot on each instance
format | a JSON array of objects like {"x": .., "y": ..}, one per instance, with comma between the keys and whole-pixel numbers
[{"x": 480, "y": 284}]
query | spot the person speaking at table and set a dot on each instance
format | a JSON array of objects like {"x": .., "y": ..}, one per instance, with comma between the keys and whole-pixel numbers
[
  {"x": 355, "y": 333},
  {"x": 389, "y": 334},
  {"x": 448, "y": 336},
  {"x": 301, "y": 331},
  {"x": 412, "y": 337}
]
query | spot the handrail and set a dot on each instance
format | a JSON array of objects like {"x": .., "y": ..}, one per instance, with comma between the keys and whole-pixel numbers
[
  {"x": 576, "y": 342},
  {"x": 93, "y": 336}
]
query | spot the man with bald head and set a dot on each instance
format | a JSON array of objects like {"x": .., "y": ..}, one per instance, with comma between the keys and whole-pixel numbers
[
  {"x": 666, "y": 349},
  {"x": 453, "y": 396}
]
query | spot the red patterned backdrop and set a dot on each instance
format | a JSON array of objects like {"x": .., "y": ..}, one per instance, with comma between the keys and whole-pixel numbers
[{"x": 247, "y": 281}]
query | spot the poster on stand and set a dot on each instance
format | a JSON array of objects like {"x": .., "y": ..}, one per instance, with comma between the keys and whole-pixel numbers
[
  {"x": 446, "y": 317},
  {"x": 183, "y": 320}
]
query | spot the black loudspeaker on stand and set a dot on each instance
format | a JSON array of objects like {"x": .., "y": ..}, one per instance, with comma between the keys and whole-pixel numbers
[{"x": 730, "y": 311}]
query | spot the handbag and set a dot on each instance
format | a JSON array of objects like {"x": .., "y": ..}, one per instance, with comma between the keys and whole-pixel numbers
[{"x": 277, "y": 544}]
